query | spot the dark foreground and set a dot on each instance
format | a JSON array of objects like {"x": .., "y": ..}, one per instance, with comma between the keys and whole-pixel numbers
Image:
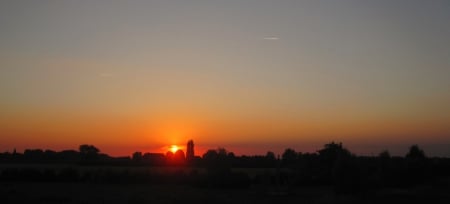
[
  {"x": 23, "y": 192},
  {"x": 332, "y": 175}
]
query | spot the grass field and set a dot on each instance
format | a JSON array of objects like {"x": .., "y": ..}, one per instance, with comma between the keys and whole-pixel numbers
[
  {"x": 251, "y": 172},
  {"x": 143, "y": 193},
  {"x": 146, "y": 192}
]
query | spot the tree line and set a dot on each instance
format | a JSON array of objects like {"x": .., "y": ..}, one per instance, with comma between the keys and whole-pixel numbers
[{"x": 331, "y": 165}]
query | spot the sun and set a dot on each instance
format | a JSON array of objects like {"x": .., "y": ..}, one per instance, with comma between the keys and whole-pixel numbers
[{"x": 174, "y": 148}]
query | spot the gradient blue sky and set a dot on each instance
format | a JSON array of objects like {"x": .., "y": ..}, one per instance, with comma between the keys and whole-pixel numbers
[{"x": 249, "y": 75}]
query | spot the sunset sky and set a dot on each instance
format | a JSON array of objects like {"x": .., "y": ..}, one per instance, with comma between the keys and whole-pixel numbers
[{"x": 247, "y": 75}]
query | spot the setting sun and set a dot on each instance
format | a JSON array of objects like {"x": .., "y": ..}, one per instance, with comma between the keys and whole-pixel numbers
[{"x": 174, "y": 148}]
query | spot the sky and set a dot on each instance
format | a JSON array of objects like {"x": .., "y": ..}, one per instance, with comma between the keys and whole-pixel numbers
[{"x": 247, "y": 75}]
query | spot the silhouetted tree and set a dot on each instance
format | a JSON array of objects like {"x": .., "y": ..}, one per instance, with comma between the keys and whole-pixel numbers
[
  {"x": 328, "y": 157},
  {"x": 69, "y": 155},
  {"x": 210, "y": 155},
  {"x": 89, "y": 152},
  {"x": 219, "y": 175},
  {"x": 169, "y": 156},
  {"x": 270, "y": 159},
  {"x": 155, "y": 158},
  {"x": 385, "y": 168},
  {"x": 270, "y": 156},
  {"x": 179, "y": 157},
  {"x": 88, "y": 149},
  {"x": 50, "y": 155},
  {"x": 332, "y": 151},
  {"x": 222, "y": 152},
  {"x": 384, "y": 155},
  {"x": 289, "y": 156},
  {"x": 417, "y": 165},
  {"x": 217, "y": 161},
  {"x": 33, "y": 155},
  {"x": 231, "y": 155},
  {"x": 346, "y": 175},
  {"x": 137, "y": 156},
  {"x": 415, "y": 153}
]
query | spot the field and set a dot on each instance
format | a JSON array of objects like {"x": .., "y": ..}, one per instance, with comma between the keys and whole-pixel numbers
[
  {"x": 144, "y": 193},
  {"x": 148, "y": 192}
]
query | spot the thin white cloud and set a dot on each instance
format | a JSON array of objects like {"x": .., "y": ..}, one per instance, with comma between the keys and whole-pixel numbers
[{"x": 271, "y": 38}]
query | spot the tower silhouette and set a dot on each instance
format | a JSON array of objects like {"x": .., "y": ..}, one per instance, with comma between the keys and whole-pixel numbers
[{"x": 190, "y": 150}]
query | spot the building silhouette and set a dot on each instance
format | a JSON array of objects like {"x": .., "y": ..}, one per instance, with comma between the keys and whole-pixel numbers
[{"x": 190, "y": 150}]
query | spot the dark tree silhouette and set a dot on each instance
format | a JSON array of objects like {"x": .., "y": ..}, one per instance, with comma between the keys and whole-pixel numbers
[
  {"x": 270, "y": 156},
  {"x": 417, "y": 165},
  {"x": 69, "y": 155},
  {"x": 328, "y": 157},
  {"x": 210, "y": 155},
  {"x": 347, "y": 176},
  {"x": 384, "y": 155},
  {"x": 217, "y": 161},
  {"x": 231, "y": 155},
  {"x": 289, "y": 156},
  {"x": 50, "y": 154},
  {"x": 34, "y": 155},
  {"x": 179, "y": 157},
  {"x": 270, "y": 159},
  {"x": 88, "y": 149},
  {"x": 89, "y": 152},
  {"x": 169, "y": 155},
  {"x": 222, "y": 152},
  {"x": 137, "y": 156},
  {"x": 332, "y": 151},
  {"x": 385, "y": 168},
  {"x": 415, "y": 153},
  {"x": 332, "y": 166},
  {"x": 219, "y": 175},
  {"x": 156, "y": 159}
]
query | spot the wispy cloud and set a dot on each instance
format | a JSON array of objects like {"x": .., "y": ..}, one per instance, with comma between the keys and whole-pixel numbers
[{"x": 271, "y": 38}]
